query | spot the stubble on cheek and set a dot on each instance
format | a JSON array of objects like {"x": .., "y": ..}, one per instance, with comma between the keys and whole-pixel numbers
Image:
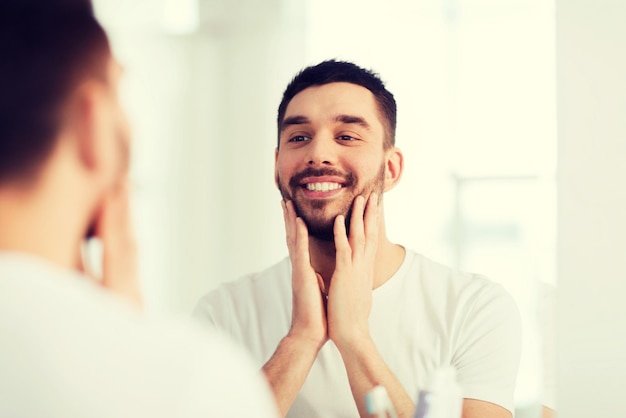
[{"x": 316, "y": 214}]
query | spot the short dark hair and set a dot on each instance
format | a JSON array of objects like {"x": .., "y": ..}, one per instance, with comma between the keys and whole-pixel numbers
[
  {"x": 47, "y": 47},
  {"x": 332, "y": 71}
]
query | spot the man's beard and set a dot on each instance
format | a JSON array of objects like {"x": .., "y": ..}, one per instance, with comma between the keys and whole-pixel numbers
[{"x": 320, "y": 225}]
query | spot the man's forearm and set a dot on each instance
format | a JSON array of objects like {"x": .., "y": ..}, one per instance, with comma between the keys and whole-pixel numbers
[
  {"x": 366, "y": 369},
  {"x": 288, "y": 368}
]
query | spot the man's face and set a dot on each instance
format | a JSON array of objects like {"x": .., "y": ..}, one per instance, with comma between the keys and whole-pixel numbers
[{"x": 331, "y": 151}]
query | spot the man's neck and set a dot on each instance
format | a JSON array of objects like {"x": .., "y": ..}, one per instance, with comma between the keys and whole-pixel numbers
[
  {"x": 389, "y": 257},
  {"x": 35, "y": 224}
]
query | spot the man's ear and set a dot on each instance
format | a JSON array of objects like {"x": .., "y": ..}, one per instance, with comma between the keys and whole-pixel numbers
[
  {"x": 276, "y": 167},
  {"x": 83, "y": 121},
  {"x": 394, "y": 165}
]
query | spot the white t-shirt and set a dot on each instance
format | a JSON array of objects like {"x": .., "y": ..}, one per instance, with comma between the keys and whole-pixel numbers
[
  {"x": 425, "y": 316},
  {"x": 68, "y": 349}
]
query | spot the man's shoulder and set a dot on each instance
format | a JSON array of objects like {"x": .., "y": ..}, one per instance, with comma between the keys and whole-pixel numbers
[
  {"x": 249, "y": 293},
  {"x": 438, "y": 276},
  {"x": 96, "y": 337},
  {"x": 275, "y": 275},
  {"x": 276, "y": 272}
]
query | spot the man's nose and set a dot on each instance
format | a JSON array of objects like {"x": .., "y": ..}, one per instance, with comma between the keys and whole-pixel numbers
[{"x": 321, "y": 151}]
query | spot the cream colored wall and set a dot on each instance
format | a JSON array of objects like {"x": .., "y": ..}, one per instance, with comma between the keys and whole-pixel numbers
[
  {"x": 202, "y": 105},
  {"x": 591, "y": 311}
]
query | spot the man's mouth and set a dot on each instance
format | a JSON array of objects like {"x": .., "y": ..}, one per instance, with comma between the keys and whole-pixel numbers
[{"x": 322, "y": 186}]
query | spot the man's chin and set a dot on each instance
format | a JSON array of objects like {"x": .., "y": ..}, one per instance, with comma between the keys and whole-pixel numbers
[
  {"x": 324, "y": 230},
  {"x": 322, "y": 234}
]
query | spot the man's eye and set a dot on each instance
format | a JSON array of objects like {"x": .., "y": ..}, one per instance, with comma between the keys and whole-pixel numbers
[
  {"x": 346, "y": 138},
  {"x": 298, "y": 138}
]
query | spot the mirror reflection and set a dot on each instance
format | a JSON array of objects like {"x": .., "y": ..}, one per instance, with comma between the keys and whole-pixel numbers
[{"x": 476, "y": 127}]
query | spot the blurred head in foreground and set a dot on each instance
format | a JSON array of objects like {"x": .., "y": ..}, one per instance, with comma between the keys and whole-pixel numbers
[{"x": 64, "y": 141}]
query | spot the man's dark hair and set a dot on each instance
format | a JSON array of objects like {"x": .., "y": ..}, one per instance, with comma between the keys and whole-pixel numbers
[
  {"x": 333, "y": 71},
  {"x": 47, "y": 47}
]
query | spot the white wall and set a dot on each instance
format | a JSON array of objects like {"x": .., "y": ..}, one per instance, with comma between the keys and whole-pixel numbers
[
  {"x": 591, "y": 306},
  {"x": 202, "y": 105}
]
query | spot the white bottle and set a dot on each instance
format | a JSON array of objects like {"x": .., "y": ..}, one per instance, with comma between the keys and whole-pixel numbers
[
  {"x": 378, "y": 403},
  {"x": 442, "y": 397}
]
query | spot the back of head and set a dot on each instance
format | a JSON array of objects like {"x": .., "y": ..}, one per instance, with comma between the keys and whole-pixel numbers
[
  {"x": 47, "y": 47},
  {"x": 332, "y": 71}
]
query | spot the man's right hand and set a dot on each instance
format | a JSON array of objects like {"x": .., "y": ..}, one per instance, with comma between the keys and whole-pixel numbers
[
  {"x": 308, "y": 320},
  {"x": 113, "y": 227},
  {"x": 290, "y": 364}
]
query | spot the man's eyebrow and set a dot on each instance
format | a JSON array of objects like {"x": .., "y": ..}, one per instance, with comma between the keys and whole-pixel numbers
[
  {"x": 293, "y": 120},
  {"x": 353, "y": 119}
]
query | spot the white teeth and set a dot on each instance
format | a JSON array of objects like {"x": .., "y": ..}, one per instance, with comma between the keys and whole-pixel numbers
[{"x": 322, "y": 187}]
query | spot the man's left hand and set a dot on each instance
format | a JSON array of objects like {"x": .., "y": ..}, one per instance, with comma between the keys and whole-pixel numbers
[{"x": 350, "y": 293}]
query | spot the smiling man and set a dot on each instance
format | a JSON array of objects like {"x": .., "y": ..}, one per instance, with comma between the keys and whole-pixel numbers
[{"x": 349, "y": 309}]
